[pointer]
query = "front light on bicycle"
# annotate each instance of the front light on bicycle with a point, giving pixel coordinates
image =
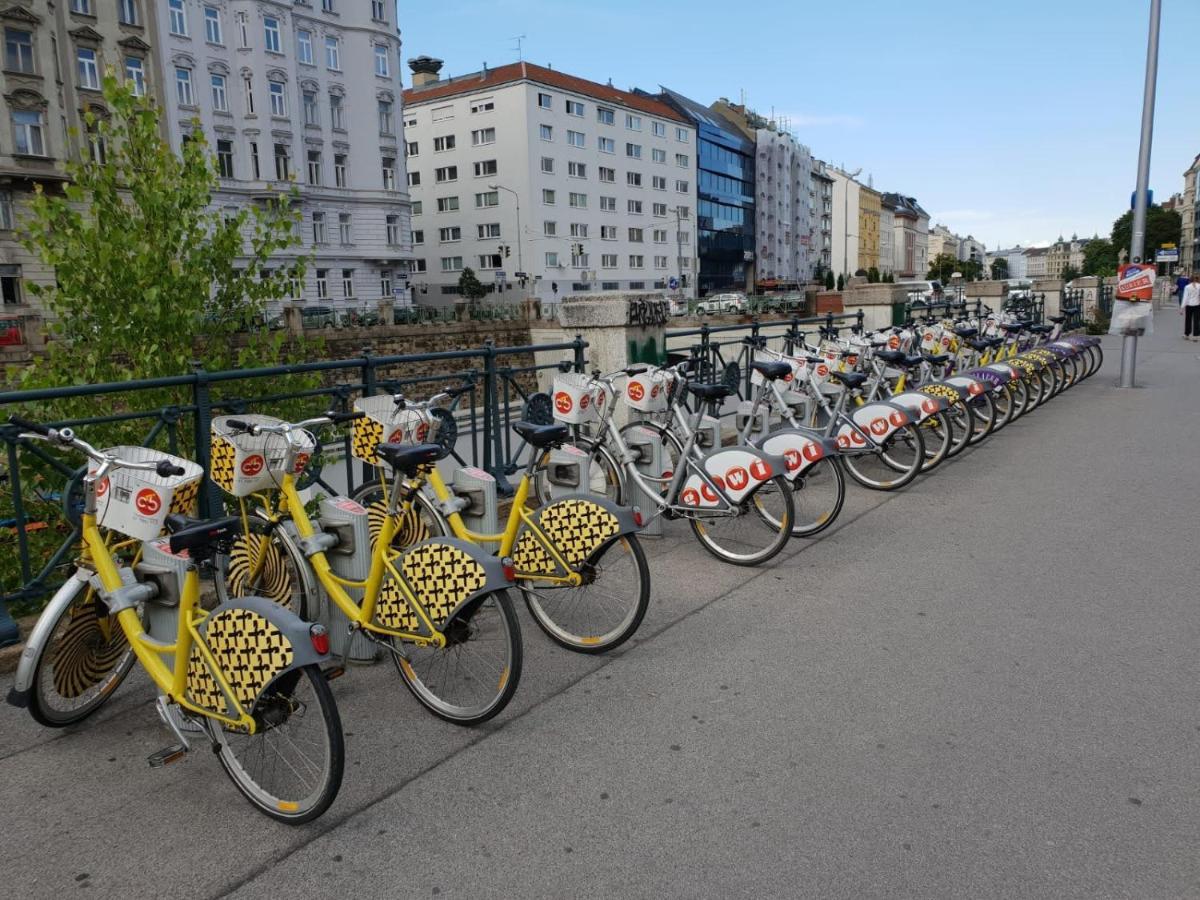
(320, 638)
(510, 570)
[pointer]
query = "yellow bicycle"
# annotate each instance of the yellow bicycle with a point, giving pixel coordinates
(246, 676)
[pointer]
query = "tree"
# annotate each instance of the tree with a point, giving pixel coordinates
(471, 287)
(1099, 257)
(841, 282)
(1069, 273)
(1163, 226)
(829, 280)
(873, 275)
(999, 268)
(149, 274)
(943, 266)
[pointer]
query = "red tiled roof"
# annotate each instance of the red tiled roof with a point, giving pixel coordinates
(469, 84)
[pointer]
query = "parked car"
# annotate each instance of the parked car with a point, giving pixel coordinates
(679, 305)
(923, 290)
(360, 318)
(721, 303)
(318, 317)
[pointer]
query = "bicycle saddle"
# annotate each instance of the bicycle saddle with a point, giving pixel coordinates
(771, 369)
(407, 458)
(1057, 320)
(966, 332)
(849, 379)
(936, 359)
(979, 345)
(198, 535)
(710, 391)
(1041, 329)
(1017, 326)
(541, 436)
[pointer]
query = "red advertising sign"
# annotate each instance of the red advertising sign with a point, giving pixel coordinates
(1136, 282)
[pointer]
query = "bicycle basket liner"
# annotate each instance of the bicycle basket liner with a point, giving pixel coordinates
(135, 503)
(647, 392)
(243, 463)
(575, 401)
(385, 423)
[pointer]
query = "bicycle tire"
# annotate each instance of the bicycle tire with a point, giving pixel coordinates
(983, 421)
(459, 634)
(573, 638)
(781, 525)
(317, 800)
(855, 464)
(937, 431)
(424, 521)
(807, 523)
(285, 577)
(963, 419)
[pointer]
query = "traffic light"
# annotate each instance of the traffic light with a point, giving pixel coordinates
(500, 250)
(507, 251)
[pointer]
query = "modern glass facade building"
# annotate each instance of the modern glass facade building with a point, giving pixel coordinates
(725, 198)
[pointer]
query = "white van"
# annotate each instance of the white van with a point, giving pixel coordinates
(922, 290)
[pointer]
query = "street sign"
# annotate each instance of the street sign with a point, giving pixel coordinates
(520, 275)
(499, 274)
(1166, 256)
(673, 283)
(1136, 282)
(1149, 199)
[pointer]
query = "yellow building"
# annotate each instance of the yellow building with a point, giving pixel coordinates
(870, 208)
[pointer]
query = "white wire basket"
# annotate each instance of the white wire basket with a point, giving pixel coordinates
(385, 423)
(136, 503)
(577, 400)
(647, 391)
(242, 463)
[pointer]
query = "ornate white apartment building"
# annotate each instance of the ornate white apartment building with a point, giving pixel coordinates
(785, 231)
(524, 169)
(303, 92)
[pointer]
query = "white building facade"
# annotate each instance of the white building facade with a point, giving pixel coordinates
(845, 222)
(1015, 258)
(546, 184)
(306, 94)
(887, 240)
(785, 230)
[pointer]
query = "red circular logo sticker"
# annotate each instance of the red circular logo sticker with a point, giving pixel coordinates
(583, 402)
(898, 418)
(301, 461)
(252, 465)
(708, 493)
(788, 377)
(101, 488)
(856, 438)
(822, 370)
(813, 451)
(737, 478)
(879, 427)
(636, 390)
(653, 391)
(690, 497)
(893, 342)
(792, 457)
(396, 437)
(930, 406)
(422, 432)
(761, 470)
(562, 402)
(975, 389)
(852, 361)
(147, 502)
(843, 442)
(599, 399)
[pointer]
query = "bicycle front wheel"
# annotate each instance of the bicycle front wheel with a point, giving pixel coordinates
(897, 461)
(474, 676)
(605, 477)
(818, 496)
(291, 767)
(758, 530)
(605, 610)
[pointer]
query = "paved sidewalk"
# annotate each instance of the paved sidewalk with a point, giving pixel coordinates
(982, 686)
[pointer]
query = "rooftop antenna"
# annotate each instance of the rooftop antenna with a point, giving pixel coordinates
(519, 38)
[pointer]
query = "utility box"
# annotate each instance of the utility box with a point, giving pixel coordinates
(350, 558)
(647, 445)
(476, 490)
(568, 471)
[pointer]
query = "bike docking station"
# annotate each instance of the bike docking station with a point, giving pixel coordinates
(569, 471)
(648, 447)
(348, 522)
(476, 500)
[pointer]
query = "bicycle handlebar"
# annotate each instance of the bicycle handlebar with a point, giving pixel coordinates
(65, 437)
(329, 418)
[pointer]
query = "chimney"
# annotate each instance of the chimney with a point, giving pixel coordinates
(425, 70)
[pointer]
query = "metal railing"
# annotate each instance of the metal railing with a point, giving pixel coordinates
(1032, 307)
(42, 492)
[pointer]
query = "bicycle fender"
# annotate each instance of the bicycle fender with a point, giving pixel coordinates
(444, 574)
(733, 472)
(880, 419)
(960, 390)
(974, 386)
(800, 449)
(1004, 369)
(253, 640)
(920, 406)
(35, 644)
(577, 525)
(994, 378)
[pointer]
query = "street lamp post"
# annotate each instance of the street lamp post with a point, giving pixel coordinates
(1137, 242)
(678, 248)
(846, 222)
(517, 199)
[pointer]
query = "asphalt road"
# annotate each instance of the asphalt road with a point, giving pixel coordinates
(982, 686)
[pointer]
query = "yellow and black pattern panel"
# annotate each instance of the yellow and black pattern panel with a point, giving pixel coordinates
(531, 558)
(183, 501)
(86, 651)
(221, 463)
(250, 651)
(441, 576)
(392, 611)
(941, 390)
(365, 437)
(411, 529)
(257, 552)
(576, 528)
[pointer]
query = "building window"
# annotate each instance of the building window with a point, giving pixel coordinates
(452, 264)
(637, 262)
(328, 6)
(548, 196)
(89, 75)
(481, 106)
(633, 151)
(220, 98)
(659, 129)
(548, 165)
(443, 143)
(442, 113)
(576, 139)
(333, 54)
(658, 156)
(385, 283)
(388, 168)
(579, 229)
(487, 199)
(345, 228)
(278, 98)
(633, 179)
(381, 60)
(254, 166)
(337, 112)
(450, 234)
(607, 145)
(660, 235)
(546, 132)
(28, 136)
(608, 204)
(96, 148)
(83, 7)
(682, 187)
(660, 262)
(243, 28)
(418, 265)
(311, 115)
(608, 233)
(544, 101)
(318, 227)
(660, 210)
(485, 167)
(681, 135)
(177, 17)
(127, 12)
(377, 11)
(18, 51)
(445, 173)
(549, 229)
(304, 47)
(490, 261)
(634, 207)
(283, 163)
(271, 35)
(183, 86)
(490, 230)
(322, 284)
(348, 283)
(418, 237)
(212, 25)
(10, 285)
(681, 160)
(6, 210)
(577, 169)
(608, 260)
(386, 122)
(574, 108)
(447, 204)
(248, 93)
(577, 201)
(414, 179)
(314, 166)
(579, 260)
(605, 116)
(225, 158)
(635, 235)
(551, 259)
(658, 182)
(412, 149)
(633, 123)
(339, 169)
(393, 230)
(483, 136)
(608, 175)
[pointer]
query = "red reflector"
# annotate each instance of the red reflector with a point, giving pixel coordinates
(320, 639)
(638, 520)
(510, 570)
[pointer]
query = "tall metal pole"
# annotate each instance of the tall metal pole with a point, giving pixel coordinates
(1137, 243)
(517, 199)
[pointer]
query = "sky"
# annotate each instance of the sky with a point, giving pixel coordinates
(1013, 121)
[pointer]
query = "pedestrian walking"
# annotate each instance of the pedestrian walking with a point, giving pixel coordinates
(1189, 308)
(1181, 284)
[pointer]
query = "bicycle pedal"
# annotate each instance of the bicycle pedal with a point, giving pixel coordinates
(176, 721)
(166, 756)
(333, 672)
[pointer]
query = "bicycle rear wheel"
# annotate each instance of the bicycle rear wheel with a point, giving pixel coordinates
(983, 417)
(474, 676)
(291, 767)
(604, 611)
(897, 461)
(938, 434)
(760, 528)
(818, 496)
